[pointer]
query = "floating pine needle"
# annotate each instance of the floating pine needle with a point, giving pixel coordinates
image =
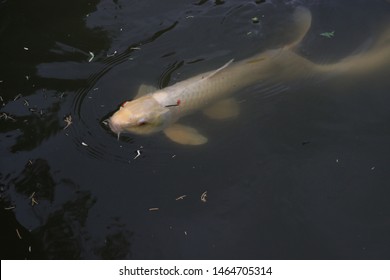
(68, 121)
(203, 197)
(18, 234)
(6, 117)
(92, 56)
(17, 97)
(138, 154)
(154, 209)
(33, 200)
(181, 197)
(113, 54)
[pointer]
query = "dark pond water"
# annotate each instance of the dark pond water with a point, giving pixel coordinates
(302, 173)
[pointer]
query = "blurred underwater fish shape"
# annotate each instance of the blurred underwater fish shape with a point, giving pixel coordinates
(154, 110)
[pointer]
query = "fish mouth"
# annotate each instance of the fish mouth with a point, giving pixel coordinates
(115, 127)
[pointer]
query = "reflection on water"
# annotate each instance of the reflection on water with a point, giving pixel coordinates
(301, 174)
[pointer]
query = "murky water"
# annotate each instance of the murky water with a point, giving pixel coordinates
(301, 173)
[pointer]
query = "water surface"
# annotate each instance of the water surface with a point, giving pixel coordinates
(302, 173)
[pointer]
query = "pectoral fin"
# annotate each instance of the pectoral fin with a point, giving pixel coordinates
(227, 108)
(145, 90)
(184, 135)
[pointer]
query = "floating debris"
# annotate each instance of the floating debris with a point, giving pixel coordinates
(185, 233)
(29, 249)
(203, 197)
(26, 49)
(6, 116)
(9, 208)
(154, 209)
(181, 197)
(372, 168)
(328, 35)
(337, 160)
(92, 56)
(84, 144)
(138, 154)
(33, 200)
(18, 234)
(255, 20)
(25, 102)
(135, 48)
(68, 121)
(17, 97)
(110, 55)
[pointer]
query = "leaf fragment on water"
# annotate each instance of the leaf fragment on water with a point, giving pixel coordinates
(68, 121)
(328, 34)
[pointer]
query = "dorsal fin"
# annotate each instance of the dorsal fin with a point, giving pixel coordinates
(219, 69)
(145, 90)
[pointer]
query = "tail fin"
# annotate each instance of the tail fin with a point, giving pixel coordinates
(302, 23)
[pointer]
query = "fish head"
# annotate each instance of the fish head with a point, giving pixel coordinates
(143, 116)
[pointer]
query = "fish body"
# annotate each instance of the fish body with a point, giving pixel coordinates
(160, 110)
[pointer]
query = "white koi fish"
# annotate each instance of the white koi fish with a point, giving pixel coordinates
(159, 110)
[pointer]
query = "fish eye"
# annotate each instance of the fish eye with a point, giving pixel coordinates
(142, 122)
